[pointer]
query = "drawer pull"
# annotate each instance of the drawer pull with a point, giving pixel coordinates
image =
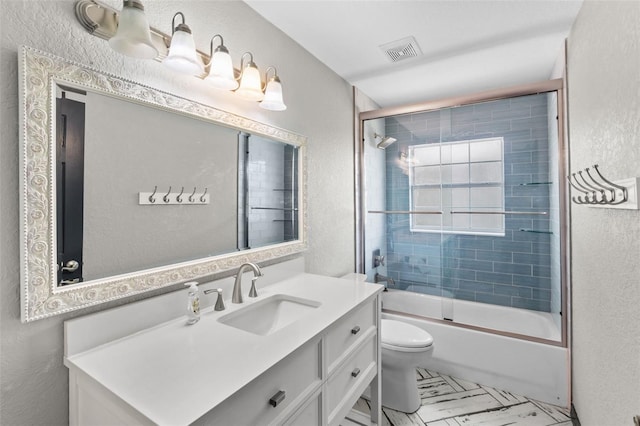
(355, 330)
(277, 398)
(355, 372)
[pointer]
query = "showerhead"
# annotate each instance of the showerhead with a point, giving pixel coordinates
(385, 140)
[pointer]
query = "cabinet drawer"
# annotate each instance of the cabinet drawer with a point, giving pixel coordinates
(309, 414)
(347, 331)
(286, 385)
(355, 372)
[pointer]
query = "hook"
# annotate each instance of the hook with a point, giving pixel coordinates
(585, 189)
(151, 197)
(625, 193)
(179, 197)
(606, 188)
(603, 195)
(191, 199)
(166, 196)
(202, 199)
(578, 200)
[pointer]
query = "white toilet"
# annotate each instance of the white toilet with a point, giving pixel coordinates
(404, 347)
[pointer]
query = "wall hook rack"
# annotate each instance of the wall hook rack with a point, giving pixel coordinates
(597, 191)
(161, 198)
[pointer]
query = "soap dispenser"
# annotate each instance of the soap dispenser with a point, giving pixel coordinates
(193, 304)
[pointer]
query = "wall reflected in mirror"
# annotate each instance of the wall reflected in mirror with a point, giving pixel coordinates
(110, 150)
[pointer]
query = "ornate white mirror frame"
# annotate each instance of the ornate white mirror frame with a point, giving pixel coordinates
(41, 297)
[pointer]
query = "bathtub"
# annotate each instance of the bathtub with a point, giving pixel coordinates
(533, 369)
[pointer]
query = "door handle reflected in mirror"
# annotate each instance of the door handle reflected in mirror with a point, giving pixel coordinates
(70, 266)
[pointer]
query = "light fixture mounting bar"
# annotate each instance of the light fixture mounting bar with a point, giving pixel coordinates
(100, 20)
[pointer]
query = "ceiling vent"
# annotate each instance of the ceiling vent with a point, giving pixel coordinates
(400, 50)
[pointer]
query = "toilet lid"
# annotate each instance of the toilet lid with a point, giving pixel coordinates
(401, 334)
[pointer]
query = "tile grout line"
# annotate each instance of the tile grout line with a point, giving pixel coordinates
(487, 410)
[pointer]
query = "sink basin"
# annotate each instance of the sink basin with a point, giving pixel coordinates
(270, 315)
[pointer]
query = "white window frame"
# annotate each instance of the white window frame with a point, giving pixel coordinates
(458, 176)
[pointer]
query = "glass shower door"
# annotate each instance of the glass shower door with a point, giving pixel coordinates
(466, 206)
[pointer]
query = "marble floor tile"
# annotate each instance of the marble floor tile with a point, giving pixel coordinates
(449, 401)
(397, 418)
(505, 398)
(454, 384)
(444, 422)
(525, 414)
(465, 384)
(451, 405)
(422, 373)
(435, 386)
(559, 414)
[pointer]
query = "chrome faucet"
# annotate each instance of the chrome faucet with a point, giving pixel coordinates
(237, 285)
(388, 280)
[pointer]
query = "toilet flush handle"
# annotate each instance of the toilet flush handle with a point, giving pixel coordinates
(355, 330)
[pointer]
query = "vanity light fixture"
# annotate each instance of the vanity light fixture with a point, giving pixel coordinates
(221, 74)
(182, 52)
(128, 32)
(132, 37)
(250, 82)
(273, 92)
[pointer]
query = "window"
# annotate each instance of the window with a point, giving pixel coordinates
(457, 178)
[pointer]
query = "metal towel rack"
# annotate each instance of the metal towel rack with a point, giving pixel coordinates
(275, 208)
(455, 212)
(404, 212)
(498, 212)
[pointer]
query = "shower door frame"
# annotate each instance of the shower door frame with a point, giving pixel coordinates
(548, 86)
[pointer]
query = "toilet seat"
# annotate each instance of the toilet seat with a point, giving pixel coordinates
(403, 337)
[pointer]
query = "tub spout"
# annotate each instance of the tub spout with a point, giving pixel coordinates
(388, 281)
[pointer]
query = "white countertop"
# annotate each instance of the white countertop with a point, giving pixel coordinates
(174, 373)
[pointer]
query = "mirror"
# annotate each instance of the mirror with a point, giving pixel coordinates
(166, 190)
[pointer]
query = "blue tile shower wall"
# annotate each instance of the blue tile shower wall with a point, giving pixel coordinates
(514, 270)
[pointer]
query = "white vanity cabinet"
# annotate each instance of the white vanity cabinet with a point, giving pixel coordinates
(309, 373)
(275, 395)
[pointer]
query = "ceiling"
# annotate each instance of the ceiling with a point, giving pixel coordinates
(467, 45)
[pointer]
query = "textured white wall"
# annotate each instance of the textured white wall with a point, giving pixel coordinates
(604, 125)
(33, 380)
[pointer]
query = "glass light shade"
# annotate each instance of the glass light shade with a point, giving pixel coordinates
(273, 96)
(250, 84)
(182, 54)
(132, 37)
(221, 74)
